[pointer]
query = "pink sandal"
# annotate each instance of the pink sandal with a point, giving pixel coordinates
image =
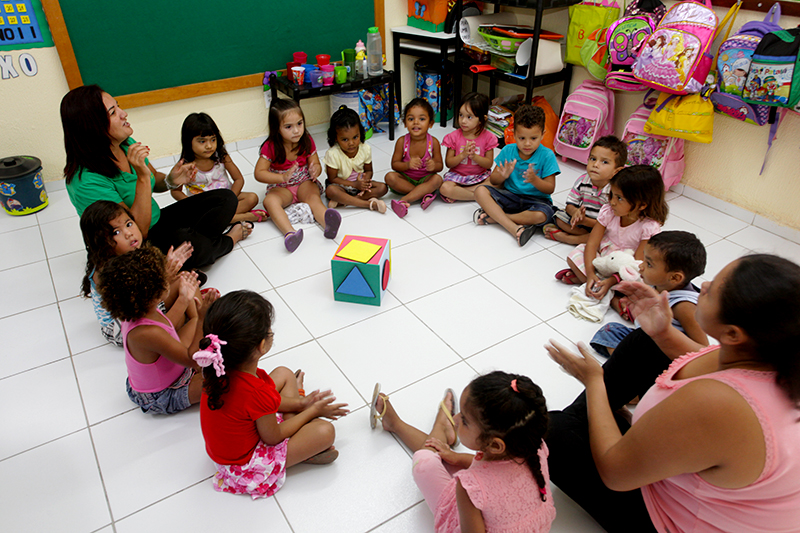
(400, 208)
(428, 199)
(568, 277)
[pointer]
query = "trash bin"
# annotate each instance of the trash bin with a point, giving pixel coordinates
(21, 186)
(429, 85)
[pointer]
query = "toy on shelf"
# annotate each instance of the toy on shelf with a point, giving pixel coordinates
(361, 269)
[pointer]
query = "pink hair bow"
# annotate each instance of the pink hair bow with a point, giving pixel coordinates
(211, 355)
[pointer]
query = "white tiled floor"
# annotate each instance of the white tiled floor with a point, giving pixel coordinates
(75, 455)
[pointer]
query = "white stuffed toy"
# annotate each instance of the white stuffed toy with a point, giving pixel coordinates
(619, 262)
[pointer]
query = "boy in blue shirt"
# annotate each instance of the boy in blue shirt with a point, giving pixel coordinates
(523, 180)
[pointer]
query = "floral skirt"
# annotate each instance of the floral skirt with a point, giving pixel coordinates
(261, 477)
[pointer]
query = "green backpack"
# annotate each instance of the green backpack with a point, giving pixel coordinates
(774, 77)
(594, 54)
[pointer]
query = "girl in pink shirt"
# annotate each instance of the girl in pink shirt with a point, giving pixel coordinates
(504, 488)
(470, 150)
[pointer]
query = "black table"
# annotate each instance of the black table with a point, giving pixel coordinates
(298, 92)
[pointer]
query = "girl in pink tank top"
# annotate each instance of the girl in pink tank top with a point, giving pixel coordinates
(504, 488)
(417, 160)
(158, 347)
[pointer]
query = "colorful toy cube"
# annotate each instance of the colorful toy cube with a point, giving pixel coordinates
(361, 269)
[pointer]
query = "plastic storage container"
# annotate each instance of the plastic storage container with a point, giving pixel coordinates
(429, 85)
(374, 52)
(21, 186)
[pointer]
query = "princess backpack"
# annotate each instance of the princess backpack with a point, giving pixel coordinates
(675, 58)
(665, 154)
(588, 114)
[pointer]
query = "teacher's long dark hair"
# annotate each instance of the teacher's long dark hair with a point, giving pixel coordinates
(85, 121)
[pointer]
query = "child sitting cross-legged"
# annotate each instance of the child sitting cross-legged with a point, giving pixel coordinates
(523, 180)
(672, 259)
(574, 223)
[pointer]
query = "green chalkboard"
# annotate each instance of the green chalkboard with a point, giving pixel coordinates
(133, 47)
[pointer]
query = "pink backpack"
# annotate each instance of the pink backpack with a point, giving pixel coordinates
(588, 114)
(675, 59)
(662, 153)
(623, 38)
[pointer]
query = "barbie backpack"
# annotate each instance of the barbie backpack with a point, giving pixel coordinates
(733, 65)
(624, 37)
(665, 154)
(588, 114)
(675, 58)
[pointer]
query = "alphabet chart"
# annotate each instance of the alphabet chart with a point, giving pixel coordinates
(19, 24)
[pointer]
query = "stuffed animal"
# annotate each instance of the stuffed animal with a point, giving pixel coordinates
(619, 262)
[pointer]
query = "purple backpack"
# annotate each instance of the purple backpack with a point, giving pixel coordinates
(733, 64)
(623, 38)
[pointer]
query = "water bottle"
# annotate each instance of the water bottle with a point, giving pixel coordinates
(374, 52)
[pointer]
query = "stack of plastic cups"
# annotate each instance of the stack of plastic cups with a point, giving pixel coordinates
(323, 59)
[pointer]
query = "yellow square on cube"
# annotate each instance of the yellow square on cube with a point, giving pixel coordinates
(21, 8)
(9, 8)
(12, 20)
(359, 251)
(25, 19)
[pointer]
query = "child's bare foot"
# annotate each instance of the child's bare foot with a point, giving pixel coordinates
(323, 458)
(444, 419)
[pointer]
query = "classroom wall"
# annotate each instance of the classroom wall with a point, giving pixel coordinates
(726, 169)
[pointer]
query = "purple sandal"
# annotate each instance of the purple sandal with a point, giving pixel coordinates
(293, 239)
(428, 199)
(332, 222)
(399, 208)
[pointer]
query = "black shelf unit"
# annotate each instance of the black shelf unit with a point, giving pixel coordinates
(298, 92)
(463, 62)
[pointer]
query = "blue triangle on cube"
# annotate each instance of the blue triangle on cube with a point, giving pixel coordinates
(355, 285)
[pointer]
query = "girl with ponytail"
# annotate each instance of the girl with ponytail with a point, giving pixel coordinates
(255, 424)
(502, 488)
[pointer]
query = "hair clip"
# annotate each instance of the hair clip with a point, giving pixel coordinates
(514, 385)
(211, 355)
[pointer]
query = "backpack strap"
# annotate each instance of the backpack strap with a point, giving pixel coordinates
(776, 116)
(730, 16)
(774, 14)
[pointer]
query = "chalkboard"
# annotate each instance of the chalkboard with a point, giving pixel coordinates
(130, 48)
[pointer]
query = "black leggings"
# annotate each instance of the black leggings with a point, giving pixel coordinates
(199, 219)
(629, 372)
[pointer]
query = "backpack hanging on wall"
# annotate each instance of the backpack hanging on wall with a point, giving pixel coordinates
(654, 8)
(733, 66)
(665, 154)
(588, 114)
(623, 39)
(774, 77)
(675, 59)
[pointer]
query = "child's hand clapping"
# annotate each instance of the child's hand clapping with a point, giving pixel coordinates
(506, 168)
(362, 184)
(470, 149)
(314, 169)
(577, 217)
(176, 257)
(430, 164)
(289, 174)
(530, 175)
(415, 163)
(182, 173)
(323, 406)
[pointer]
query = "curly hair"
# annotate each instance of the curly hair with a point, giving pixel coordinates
(345, 118)
(131, 284)
(242, 319)
(642, 184)
(518, 417)
(529, 116)
(760, 296)
(619, 148)
(98, 237)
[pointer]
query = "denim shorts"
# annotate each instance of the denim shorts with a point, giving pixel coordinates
(609, 336)
(166, 402)
(512, 203)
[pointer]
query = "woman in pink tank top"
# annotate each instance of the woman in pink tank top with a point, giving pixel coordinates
(715, 443)
(158, 347)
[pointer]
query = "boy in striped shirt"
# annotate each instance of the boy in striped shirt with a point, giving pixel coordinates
(574, 223)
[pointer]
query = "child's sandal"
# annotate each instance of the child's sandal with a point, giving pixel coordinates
(428, 199)
(376, 204)
(373, 406)
(260, 214)
(447, 200)
(332, 222)
(400, 208)
(479, 217)
(550, 231)
(293, 239)
(524, 234)
(567, 276)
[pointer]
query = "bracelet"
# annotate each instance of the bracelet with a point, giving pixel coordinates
(617, 277)
(170, 186)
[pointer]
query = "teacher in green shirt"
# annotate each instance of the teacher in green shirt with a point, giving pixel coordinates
(105, 163)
